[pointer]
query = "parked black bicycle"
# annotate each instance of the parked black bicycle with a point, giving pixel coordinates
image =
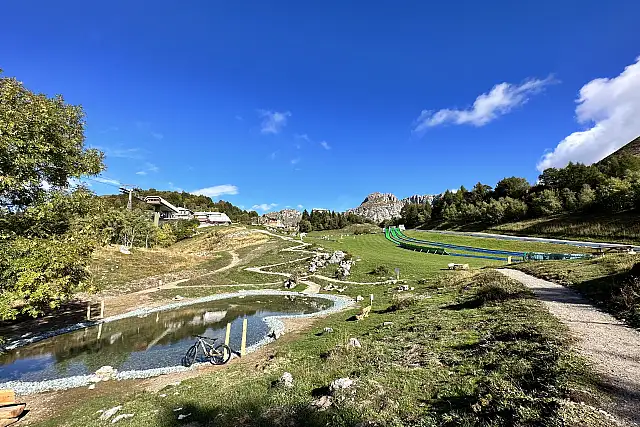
(216, 355)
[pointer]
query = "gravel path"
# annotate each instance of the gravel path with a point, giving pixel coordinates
(612, 347)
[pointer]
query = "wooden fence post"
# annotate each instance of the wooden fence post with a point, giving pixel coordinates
(102, 309)
(89, 310)
(228, 334)
(243, 345)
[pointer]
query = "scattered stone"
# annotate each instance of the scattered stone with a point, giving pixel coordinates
(412, 288)
(163, 395)
(286, 380)
(121, 417)
(340, 384)
(359, 298)
(177, 409)
(92, 386)
(124, 250)
(178, 298)
(110, 412)
(336, 257)
(290, 283)
(353, 342)
(322, 403)
(403, 288)
(328, 330)
(105, 373)
(387, 324)
(183, 416)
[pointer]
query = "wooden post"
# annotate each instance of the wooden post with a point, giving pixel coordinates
(508, 260)
(99, 331)
(371, 300)
(243, 345)
(156, 219)
(89, 310)
(102, 309)
(228, 334)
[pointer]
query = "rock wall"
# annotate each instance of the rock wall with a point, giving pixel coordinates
(380, 207)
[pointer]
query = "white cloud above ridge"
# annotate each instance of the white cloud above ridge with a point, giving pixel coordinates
(264, 206)
(500, 100)
(216, 190)
(611, 108)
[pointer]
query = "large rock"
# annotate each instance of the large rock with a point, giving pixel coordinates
(287, 218)
(379, 207)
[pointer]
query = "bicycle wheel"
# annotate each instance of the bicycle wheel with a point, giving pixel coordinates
(190, 356)
(220, 355)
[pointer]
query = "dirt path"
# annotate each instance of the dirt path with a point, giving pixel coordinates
(235, 260)
(612, 347)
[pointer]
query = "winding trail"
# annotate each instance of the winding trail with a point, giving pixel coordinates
(612, 347)
(312, 288)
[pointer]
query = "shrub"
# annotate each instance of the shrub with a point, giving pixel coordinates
(403, 301)
(381, 270)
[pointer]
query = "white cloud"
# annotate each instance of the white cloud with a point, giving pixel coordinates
(239, 118)
(120, 152)
(273, 121)
(273, 155)
(295, 161)
(157, 135)
(264, 206)
(303, 136)
(107, 181)
(148, 167)
(325, 145)
(300, 206)
(487, 107)
(217, 190)
(611, 107)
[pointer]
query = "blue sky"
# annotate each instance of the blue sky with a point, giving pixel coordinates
(317, 104)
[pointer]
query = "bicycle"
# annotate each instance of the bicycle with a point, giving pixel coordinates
(218, 355)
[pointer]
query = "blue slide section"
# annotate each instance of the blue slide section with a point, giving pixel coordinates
(401, 236)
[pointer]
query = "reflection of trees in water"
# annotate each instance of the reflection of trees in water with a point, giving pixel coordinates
(112, 343)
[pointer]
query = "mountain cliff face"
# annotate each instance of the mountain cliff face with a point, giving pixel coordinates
(632, 148)
(379, 207)
(287, 217)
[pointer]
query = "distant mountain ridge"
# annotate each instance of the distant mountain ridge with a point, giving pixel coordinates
(379, 207)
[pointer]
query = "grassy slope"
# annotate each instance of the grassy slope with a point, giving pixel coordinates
(604, 281)
(623, 227)
(477, 351)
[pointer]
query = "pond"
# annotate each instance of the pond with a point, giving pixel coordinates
(155, 340)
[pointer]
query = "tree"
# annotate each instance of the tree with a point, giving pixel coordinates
(305, 226)
(569, 199)
(545, 203)
(514, 187)
(44, 247)
(586, 197)
(41, 144)
(480, 193)
(514, 209)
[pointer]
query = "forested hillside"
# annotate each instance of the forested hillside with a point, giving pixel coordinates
(610, 186)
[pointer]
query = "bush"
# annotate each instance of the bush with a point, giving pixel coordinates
(381, 270)
(403, 301)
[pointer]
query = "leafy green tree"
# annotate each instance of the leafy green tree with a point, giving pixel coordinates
(44, 246)
(495, 211)
(545, 203)
(569, 199)
(513, 187)
(41, 144)
(586, 197)
(514, 209)
(305, 226)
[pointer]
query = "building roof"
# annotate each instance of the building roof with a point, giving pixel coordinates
(214, 216)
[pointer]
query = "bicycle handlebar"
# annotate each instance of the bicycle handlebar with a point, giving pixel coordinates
(206, 338)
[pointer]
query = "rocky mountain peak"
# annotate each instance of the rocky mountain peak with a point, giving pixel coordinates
(380, 198)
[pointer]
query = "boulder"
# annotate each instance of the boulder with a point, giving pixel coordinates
(328, 330)
(105, 373)
(340, 384)
(286, 380)
(336, 257)
(322, 403)
(359, 298)
(353, 342)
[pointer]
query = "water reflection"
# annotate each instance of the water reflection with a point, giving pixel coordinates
(152, 341)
